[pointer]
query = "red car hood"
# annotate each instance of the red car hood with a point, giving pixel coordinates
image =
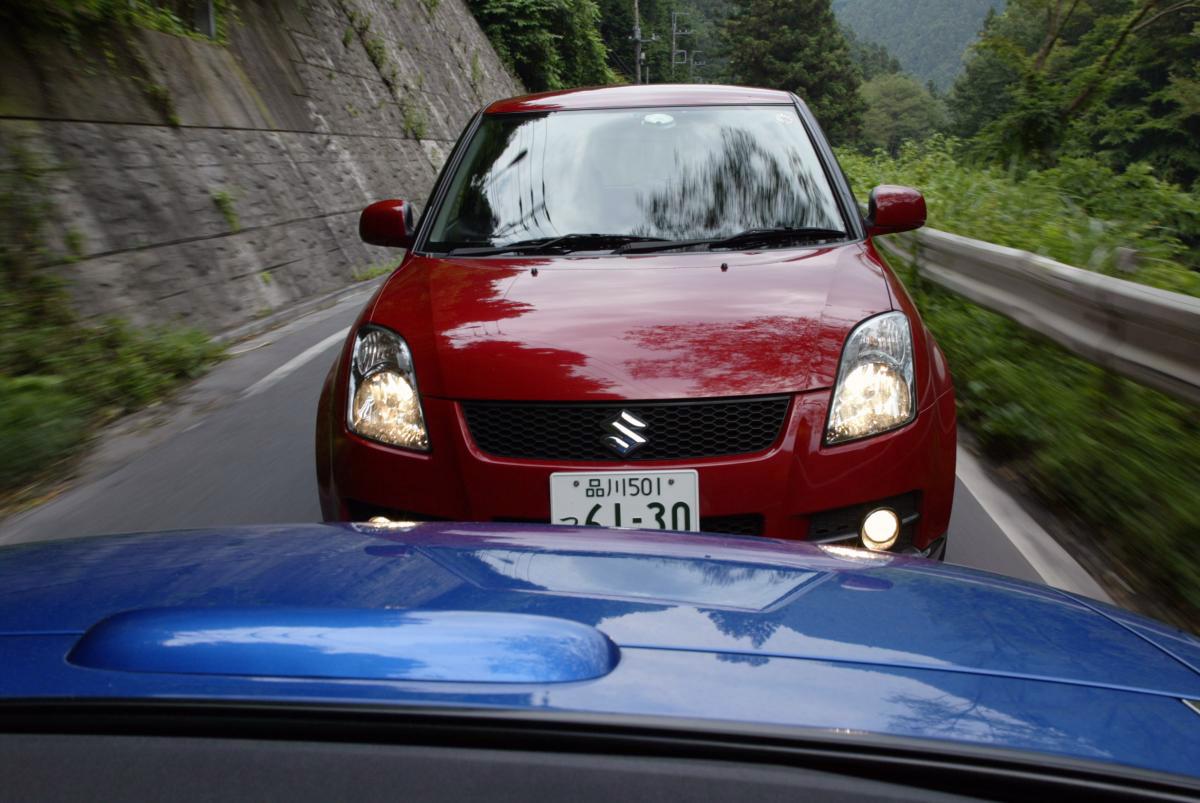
(638, 327)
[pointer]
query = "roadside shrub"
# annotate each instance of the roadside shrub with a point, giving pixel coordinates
(40, 422)
(1119, 459)
(76, 18)
(1079, 213)
(60, 376)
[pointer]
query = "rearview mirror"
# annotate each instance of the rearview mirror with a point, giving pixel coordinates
(387, 223)
(894, 209)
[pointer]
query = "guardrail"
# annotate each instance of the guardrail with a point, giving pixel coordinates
(1149, 335)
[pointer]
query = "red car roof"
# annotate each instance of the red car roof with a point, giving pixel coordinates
(617, 97)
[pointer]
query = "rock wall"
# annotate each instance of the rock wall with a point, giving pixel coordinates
(204, 184)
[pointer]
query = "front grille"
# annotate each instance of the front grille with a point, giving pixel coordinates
(745, 524)
(674, 430)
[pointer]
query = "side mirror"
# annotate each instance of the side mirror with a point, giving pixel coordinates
(894, 209)
(388, 223)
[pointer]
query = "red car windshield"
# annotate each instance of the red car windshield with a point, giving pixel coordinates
(669, 173)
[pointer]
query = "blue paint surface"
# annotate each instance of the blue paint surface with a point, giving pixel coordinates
(598, 621)
(349, 643)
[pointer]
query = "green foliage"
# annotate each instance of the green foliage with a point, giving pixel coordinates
(1113, 79)
(702, 17)
(872, 58)
(476, 72)
(981, 93)
(928, 37)
(813, 60)
(413, 119)
(1079, 212)
(1120, 459)
(376, 52)
(431, 5)
(375, 47)
(160, 98)
(73, 240)
(223, 200)
(372, 271)
(60, 376)
(40, 421)
(549, 44)
(584, 56)
(360, 22)
(899, 110)
(74, 19)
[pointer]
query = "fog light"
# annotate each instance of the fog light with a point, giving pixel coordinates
(880, 529)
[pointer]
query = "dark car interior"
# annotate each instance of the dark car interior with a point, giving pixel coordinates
(84, 751)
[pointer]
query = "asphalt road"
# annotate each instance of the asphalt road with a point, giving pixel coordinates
(237, 448)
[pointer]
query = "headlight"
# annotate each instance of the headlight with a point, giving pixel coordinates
(384, 404)
(874, 390)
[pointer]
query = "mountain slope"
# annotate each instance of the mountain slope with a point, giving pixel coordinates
(927, 36)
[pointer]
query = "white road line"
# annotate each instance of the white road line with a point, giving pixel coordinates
(295, 362)
(1053, 563)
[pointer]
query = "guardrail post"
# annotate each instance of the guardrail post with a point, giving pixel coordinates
(918, 279)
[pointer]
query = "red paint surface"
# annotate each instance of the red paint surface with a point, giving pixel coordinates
(637, 96)
(661, 326)
(387, 223)
(894, 209)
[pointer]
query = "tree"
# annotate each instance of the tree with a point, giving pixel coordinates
(872, 58)
(899, 109)
(550, 44)
(1114, 79)
(584, 56)
(796, 45)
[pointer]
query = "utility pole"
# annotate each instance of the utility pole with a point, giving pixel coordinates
(637, 43)
(675, 34)
(638, 56)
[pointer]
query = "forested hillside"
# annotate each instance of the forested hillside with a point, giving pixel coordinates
(928, 37)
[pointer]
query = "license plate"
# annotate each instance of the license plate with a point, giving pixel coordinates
(648, 500)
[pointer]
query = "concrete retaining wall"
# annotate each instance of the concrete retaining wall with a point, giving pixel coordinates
(206, 184)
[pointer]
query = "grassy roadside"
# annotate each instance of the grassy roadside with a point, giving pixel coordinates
(61, 377)
(1119, 461)
(1080, 212)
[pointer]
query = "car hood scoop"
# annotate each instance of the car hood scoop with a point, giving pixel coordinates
(455, 646)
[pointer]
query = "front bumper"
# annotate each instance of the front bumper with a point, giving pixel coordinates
(790, 491)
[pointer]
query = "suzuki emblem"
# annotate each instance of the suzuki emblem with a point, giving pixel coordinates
(627, 438)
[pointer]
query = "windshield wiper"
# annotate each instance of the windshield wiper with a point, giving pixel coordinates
(563, 244)
(747, 237)
(750, 236)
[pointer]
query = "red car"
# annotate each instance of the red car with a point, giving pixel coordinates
(649, 307)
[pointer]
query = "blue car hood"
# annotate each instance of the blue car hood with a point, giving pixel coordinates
(590, 620)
